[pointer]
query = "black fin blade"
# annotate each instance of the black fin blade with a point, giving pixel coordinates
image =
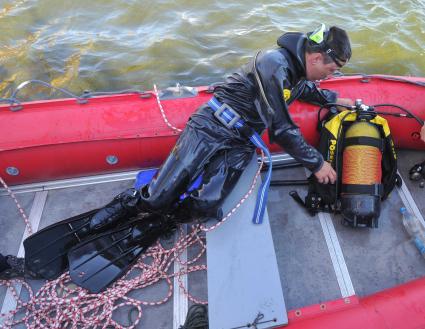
(46, 250)
(97, 263)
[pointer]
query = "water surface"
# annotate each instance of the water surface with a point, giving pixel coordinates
(117, 44)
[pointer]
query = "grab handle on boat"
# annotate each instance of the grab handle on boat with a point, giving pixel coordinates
(16, 105)
(80, 100)
(143, 94)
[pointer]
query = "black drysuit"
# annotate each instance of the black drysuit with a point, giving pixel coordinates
(221, 154)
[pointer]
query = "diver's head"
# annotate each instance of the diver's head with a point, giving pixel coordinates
(327, 51)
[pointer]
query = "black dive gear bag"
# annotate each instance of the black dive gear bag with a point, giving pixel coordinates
(361, 150)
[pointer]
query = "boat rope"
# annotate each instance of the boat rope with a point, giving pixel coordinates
(20, 209)
(61, 304)
(163, 112)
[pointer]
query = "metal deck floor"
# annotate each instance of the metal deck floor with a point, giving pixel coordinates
(318, 258)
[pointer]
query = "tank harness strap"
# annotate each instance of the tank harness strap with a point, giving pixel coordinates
(374, 189)
(364, 141)
(231, 119)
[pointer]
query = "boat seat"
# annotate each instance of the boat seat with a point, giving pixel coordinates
(243, 277)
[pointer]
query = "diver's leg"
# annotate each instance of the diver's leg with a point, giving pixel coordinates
(185, 162)
(200, 140)
(220, 177)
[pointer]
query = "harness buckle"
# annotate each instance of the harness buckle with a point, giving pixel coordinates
(221, 115)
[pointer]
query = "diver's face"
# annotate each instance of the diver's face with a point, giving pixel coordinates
(318, 69)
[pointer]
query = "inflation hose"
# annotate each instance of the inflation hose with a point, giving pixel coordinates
(334, 107)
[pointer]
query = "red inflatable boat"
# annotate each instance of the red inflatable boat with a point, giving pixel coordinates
(77, 137)
(64, 138)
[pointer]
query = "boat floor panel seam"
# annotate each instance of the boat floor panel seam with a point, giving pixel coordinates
(9, 302)
(337, 256)
(335, 251)
(180, 299)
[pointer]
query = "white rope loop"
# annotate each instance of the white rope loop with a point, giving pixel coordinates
(163, 112)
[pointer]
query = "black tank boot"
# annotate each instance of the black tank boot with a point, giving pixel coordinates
(124, 205)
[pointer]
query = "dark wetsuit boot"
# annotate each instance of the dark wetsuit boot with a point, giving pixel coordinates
(3, 264)
(124, 205)
(11, 267)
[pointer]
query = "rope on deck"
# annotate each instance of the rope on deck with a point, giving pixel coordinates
(21, 210)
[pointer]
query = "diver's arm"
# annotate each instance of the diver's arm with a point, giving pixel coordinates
(274, 75)
(312, 94)
(294, 143)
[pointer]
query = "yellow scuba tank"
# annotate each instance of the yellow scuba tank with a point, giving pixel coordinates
(361, 188)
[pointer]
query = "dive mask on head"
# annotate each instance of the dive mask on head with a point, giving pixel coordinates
(319, 37)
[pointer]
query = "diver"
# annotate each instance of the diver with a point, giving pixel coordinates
(259, 93)
(217, 142)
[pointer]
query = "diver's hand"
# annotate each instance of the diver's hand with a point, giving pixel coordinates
(423, 133)
(344, 101)
(326, 174)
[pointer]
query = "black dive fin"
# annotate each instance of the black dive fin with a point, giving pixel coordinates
(46, 250)
(97, 262)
